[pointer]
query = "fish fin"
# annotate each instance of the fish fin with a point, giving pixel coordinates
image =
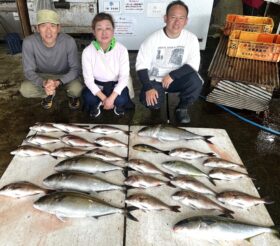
(166, 152)
(130, 216)
(170, 185)
(130, 187)
(211, 154)
(206, 139)
(55, 157)
(132, 208)
(49, 191)
(267, 200)
(228, 213)
(168, 175)
(212, 181)
(175, 209)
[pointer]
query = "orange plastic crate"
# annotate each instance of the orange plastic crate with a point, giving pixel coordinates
(256, 46)
(248, 23)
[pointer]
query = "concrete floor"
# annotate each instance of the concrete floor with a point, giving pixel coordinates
(259, 150)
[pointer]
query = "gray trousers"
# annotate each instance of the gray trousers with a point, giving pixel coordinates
(29, 90)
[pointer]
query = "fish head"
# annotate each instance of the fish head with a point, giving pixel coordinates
(187, 226)
(146, 131)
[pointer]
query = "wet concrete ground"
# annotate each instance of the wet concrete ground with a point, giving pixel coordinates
(259, 150)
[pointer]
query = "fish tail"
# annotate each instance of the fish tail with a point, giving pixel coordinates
(168, 175)
(206, 139)
(175, 209)
(276, 230)
(267, 200)
(127, 132)
(166, 152)
(210, 154)
(228, 213)
(129, 215)
(170, 185)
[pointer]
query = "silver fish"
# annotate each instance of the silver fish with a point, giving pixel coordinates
(184, 168)
(212, 228)
(39, 139)
(103, 129)
(143, 166)
(240, 199)
(146, 202)
(79, 182)
(187, 153)
(44, 127)
(70, 127)
(21, 189)
(144, 181)
(68, 152)
(189, 183)
(170, 133)
(76, 141)
(110, 142)
(76, 205)
(226, 174)
(105, 155)
(149, 148)
(29, 151)
(198, 201)
(86, 164)
(218, 162)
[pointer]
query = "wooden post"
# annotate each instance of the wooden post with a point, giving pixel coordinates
(24, 17)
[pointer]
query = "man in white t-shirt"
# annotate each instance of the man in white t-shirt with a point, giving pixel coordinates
(168, 61)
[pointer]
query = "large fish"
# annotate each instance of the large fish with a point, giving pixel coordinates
(144, 181)
(170, 133)
(213, 228)
(44, 127)
(218, 162)
(39, 139)
(240, 199)
(30, 151)
(76, 141)
(149, 149)
(68, 152)
(86, 164)
(198, 201)
(22, 189)
(184, 168)
(146, 202)
(69, 127)
(76, 205)
(105, 155)
(79, 182)
(226, 174)
(146, 167)
(110, 142)
(189, 183)
(103, 129)
(187, 153)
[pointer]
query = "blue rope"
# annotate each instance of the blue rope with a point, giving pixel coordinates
(267, 129)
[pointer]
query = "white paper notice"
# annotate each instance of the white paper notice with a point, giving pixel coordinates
(133, 6)
(155, 9)
(125, 26)
(111, 6)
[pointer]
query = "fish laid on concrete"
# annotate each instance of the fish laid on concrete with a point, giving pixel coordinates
(187, 153)
(76, 141)
(240, 199)
(30, 151)
(105, 155)
(68, 152)
(146, 202)
(70, 127)
(76, 205)
(184, 168)
(86, 164)
(103, 129)
(226, 174)
(21, 189)
(149, 148)
(110, 142)
(218, 162)
(44, 127)
(144, 181)
(198, 201)
(79, 182)
(39, 139)
(189, 183)
(146, 167)
(214, 228)
(170, 133)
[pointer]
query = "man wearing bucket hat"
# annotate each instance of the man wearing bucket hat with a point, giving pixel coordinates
(50, 60)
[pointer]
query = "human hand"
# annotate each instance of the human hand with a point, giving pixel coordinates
(166, 81)
(109, 102)
(50, 86)
(151, 97)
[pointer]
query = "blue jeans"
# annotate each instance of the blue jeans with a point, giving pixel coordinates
(189, 87)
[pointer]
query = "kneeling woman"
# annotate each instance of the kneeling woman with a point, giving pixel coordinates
(105, 65)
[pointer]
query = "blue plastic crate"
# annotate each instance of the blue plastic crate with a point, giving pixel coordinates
(14, 43)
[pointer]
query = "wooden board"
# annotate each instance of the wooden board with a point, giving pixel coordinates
(155, 228)
(21, 224)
